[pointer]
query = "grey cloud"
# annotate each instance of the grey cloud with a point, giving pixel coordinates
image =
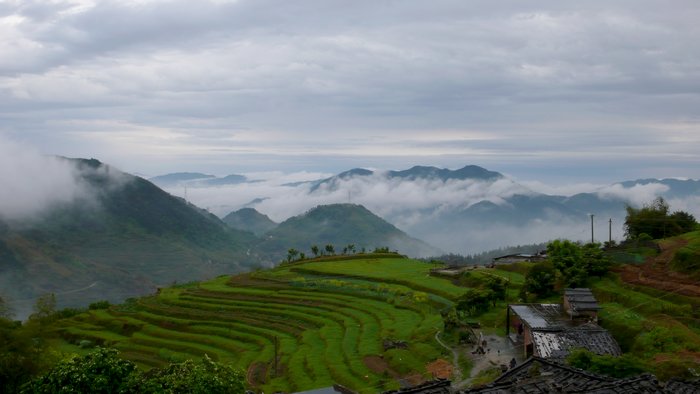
(322, 72)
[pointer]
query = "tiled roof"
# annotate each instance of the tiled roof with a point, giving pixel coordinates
(439, 386)
(550, 344)
(537, 375)
(540, 316)
(642, 384)
(683, 387)
(581, 299)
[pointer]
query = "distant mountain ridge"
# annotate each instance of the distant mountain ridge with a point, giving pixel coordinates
(429, 173)
(130, 238)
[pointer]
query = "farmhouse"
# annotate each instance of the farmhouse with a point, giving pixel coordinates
(552, 330)
(519, 258)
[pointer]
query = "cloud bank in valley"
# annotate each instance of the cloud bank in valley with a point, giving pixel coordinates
(420, 206)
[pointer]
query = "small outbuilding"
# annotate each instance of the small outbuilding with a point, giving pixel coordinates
(552, 330)
(581, 302)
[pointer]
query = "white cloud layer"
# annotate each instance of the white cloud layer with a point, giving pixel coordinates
(423, 208)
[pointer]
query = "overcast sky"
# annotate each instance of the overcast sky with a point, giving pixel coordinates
(558, 91)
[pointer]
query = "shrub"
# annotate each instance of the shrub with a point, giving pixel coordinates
(99, 305)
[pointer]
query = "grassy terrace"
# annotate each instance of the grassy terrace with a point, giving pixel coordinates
(326, 317)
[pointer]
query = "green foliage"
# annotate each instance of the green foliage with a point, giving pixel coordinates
(99, 305)
(44, 307)
(292, 254)
(617, 367)
(577, 262)
(204, 377)
(540, 280)
(475, 302)
(486, 376)
(497, 287)
(655, 221)
(101, 371)
(23, 353)
(687, 258)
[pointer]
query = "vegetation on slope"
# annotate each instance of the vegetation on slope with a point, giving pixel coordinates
(123, 238)
(341, 224)
(299, 326)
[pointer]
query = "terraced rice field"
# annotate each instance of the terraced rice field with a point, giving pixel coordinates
(293, 328)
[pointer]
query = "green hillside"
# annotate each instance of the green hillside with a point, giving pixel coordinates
(369, 321)
(248, 219)
(329, 329)
(125, 237)
(340, 225)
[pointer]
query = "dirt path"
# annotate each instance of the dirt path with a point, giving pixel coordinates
(655, 272)
(457, 372)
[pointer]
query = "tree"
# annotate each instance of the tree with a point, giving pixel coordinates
(683, 222)
(474, 302)
(314, 250)
(44, 308)
(203, 377)
(540, 279)
(497, 288)
(576, 262)
(597, 263)
(617, 367)
(351, 248)
(292, 254)
(563, 254)
(654, 220)
(330, 249)
(101, 371)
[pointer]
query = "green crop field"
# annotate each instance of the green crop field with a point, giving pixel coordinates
(321, 319)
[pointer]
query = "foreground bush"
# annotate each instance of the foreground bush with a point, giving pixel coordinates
(102, 371)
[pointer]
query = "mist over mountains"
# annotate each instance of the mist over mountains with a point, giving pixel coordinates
(466, 210)
(87, 231)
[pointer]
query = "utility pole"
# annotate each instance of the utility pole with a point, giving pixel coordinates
(592, 238)
(276, 342)
(610, 232)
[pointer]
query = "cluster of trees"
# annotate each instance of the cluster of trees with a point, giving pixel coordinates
(102, 371)
(487, 256)
(328, 250)
(28, 364)
(477, 301)
(618, 367)
(655, 220)
(573, 262)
